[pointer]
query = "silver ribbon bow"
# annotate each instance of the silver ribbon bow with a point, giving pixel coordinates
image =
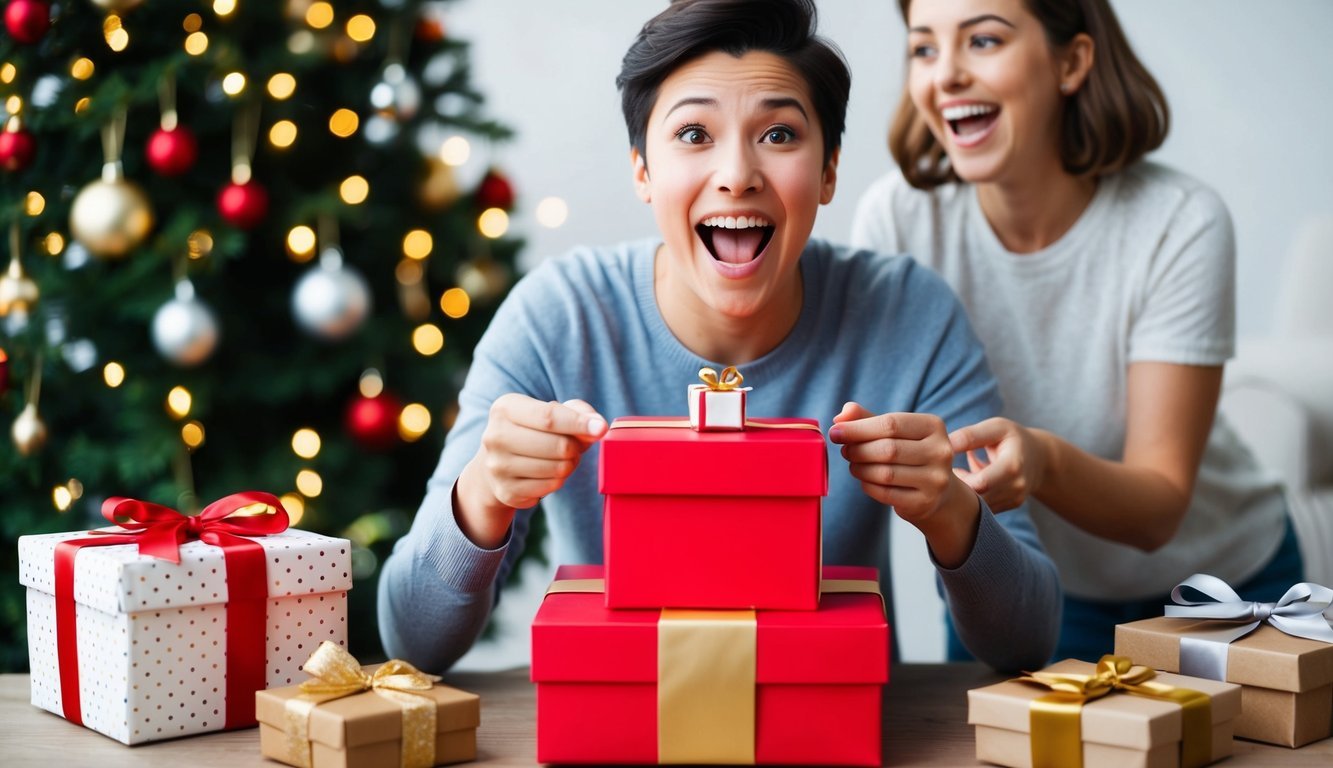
(1301, 612)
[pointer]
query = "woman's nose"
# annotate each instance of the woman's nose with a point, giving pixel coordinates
(739, 173)
(950, 73)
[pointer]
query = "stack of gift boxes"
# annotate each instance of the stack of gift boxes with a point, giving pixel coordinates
(713, 634)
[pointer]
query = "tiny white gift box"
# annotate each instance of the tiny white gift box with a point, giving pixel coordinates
(718, 405)
(152, 634)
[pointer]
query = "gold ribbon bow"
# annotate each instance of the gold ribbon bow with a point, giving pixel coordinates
(337, 674)
(1056, 722)
(729, 379)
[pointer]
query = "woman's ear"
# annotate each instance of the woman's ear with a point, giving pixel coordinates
(1076, 63)
(829, 180)
(643, 187)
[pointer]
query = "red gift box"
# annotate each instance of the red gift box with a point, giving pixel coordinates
(712, 519)
(636, 686)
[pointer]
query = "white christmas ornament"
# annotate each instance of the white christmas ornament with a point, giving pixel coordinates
(185, 331)
(396, 95)
(331, 300)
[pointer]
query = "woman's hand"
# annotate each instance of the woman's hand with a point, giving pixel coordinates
(905, 460)
(1014, 462)
(528, 450)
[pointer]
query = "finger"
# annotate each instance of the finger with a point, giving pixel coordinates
(514, 467)
(594, 430)
(850, 412)
(911, 426)
(554, 418)
(976, 462)
(974, 480)
(516, 440)
(895, 476)
(978, 435)
(521, 494)
(912, 453)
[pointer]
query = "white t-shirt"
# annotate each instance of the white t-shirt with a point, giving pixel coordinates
(1147, 273)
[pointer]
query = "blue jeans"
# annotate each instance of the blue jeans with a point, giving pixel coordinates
(1087, 629)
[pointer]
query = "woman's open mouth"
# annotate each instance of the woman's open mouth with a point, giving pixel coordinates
(735, 239)
(970, 124)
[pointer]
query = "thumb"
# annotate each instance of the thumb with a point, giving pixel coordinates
(974, 437)
(851, 412)
(979, 482)
(594, 426)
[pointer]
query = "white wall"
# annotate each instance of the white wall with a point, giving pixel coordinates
(1248, 83)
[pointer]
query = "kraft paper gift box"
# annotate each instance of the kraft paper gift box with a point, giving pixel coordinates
(1117, 730)
(367, 722)
(732, 517)
(1287, 681)
(140, 648)
(691, 686)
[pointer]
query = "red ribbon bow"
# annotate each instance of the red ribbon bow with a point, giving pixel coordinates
(159, 532)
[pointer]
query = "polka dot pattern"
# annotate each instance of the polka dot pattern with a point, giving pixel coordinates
(157, 670)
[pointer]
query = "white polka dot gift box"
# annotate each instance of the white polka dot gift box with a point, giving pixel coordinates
(167, 625)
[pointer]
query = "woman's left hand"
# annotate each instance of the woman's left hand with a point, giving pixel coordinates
(1013, 466)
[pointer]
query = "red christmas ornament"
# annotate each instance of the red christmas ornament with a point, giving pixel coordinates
(4, 372)
(27, 20)
(172, 152)
(243, 205)
(495, 191)
(17, 146)
(429, 30)
(373, 421)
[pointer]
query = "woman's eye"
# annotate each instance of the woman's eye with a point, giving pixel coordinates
(692, 135)
(985, 41)
(922, 51)
(779, 135)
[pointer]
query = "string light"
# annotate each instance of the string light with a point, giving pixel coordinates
(196, 43)
(552, 212)
(427, 339)
(54, 243)
(82, 68)
(117, 38)
(179, 402)
(233, 84)
(113, 374)
(305, 443)
(301, 243)
(34, 203)
(295, 507)
(193, 23)
(408, 272)
(82, 105)
(319, 15)
(62, 498)
(361, 28)
(413, 422)
(343, 123)
(282, 134)
(417, 244)
(354, 190)
(192, 433)
(455, 151)
(493, 222)
(8, 72)
(199, 244)
(309, 483)
(371, 383)
(455, 303)
(281, 86)
(13, 105)
(224, 8)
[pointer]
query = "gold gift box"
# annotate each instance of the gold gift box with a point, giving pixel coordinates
(1287, 693)
(365, 729)
(1119, 730)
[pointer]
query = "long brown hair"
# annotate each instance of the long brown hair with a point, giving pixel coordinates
(1118, 116)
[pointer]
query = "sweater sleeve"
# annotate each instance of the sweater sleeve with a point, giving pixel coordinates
(437, 588)
(1005, 598)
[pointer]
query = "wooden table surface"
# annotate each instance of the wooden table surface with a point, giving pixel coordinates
(925, 724)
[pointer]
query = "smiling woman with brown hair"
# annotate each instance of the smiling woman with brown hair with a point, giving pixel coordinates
(1102, 286)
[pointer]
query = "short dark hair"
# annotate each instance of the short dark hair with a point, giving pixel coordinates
(689, 29)
(1118, 116)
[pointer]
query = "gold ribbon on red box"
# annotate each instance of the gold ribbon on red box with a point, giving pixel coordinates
(706, 661)
(159, 532)
(1056, 719)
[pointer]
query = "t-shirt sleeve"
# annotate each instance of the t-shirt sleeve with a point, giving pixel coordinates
(1186, 311)
(437, 588)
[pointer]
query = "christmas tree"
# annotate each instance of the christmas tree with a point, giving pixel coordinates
(250, 245)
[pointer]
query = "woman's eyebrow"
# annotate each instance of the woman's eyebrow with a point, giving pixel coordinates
(781, 102)
(690, 101)
(968, 23)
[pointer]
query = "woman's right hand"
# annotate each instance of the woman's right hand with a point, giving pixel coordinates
(1014, 465)
(528, 450)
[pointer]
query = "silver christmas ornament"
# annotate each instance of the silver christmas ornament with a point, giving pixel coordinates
(396, 95)
(331, 300)
(185, 331)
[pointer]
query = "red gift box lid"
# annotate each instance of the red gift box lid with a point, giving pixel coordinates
(764, 459)
(576, 638)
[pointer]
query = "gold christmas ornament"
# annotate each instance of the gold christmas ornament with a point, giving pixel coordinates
(112, 216)
(18, 292)
(440, 188)
(28, 431)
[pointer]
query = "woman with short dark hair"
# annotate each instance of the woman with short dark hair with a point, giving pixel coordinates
(1102, 286)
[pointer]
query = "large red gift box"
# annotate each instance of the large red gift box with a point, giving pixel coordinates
(733, 517)
(692, 686)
